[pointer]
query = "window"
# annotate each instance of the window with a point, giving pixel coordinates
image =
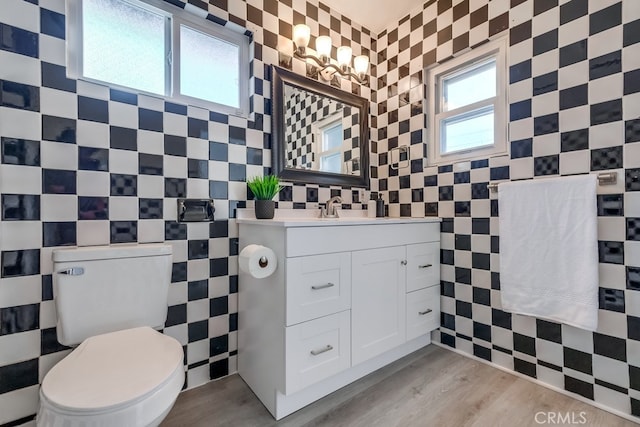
(329, 151)
(467, 105)
(153, 47)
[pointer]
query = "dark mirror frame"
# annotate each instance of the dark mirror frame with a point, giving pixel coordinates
(279, 77)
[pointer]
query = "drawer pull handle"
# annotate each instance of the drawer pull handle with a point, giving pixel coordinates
(318, 287)
(403, 262)
(328, 347)
(73, 271)
(427, 311)
(425, 266)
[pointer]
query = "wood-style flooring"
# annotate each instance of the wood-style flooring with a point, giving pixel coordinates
(431, 387)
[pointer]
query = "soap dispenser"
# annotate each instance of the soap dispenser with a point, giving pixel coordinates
(371, 207)
(380, 207)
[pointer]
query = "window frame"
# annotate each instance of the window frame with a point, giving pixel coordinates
(436, 116)
(174, 18)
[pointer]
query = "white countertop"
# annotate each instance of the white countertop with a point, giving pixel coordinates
(311, 218)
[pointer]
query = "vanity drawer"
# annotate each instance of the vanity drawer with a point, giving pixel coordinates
(316, 350)
(423, 311)
(423, 265)
(317, 285)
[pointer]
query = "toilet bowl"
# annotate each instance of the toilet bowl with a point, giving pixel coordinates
(127, 378)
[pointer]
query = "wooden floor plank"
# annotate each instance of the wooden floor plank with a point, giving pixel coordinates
(431, 387)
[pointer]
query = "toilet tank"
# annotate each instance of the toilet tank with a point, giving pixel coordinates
(100, 289)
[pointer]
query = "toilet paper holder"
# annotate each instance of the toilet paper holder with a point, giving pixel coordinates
(195, 210)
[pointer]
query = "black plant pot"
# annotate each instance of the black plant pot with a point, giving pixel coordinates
(265, 209)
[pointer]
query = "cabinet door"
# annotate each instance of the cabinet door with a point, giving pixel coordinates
(423, 311)
(423, 265)
(377, 302)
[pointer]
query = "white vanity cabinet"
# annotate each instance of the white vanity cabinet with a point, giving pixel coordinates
(347, 298)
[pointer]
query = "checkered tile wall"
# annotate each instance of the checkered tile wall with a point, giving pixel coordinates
(84, 164)
(574, 97)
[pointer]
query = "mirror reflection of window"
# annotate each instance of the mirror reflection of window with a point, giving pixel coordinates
(330, 154)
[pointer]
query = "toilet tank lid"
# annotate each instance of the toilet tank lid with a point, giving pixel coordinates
(87, 253)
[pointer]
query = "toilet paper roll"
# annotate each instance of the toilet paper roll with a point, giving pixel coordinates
(258, 261)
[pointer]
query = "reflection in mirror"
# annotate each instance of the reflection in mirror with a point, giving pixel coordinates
(320, 133)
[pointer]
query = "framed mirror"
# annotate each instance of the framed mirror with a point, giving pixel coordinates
(320, 133)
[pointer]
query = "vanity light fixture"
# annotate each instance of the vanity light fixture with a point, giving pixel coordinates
(301, 37)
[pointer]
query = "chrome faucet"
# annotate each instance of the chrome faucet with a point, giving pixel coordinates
(330, 210)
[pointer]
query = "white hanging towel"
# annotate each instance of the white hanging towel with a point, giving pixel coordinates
(549, 249)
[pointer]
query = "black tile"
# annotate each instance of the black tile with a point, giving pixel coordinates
(632, 179)
(20, 263)
(462, 208)
(124, 97)
(95, 110)
(610, 205)
(218, 267)
(631, 82)
(447, 257)
(545, 83)
(611, 299)
(549, 331)
(56, 181)
(495, 244)
(237, 172)
(480, 226)
(170, 107)
(463, 275)
(606, 18)
(448, 321)
(218, 306)
(633, 278)
(495, 280)
(633, 328)
(150, 120)
(254, 156)
(219, 117)
(605, 65)
(575, 52)
(448, 340)
(20, 152)
(92, 208)
(611, 252)
(577, 360)
(520, 33)
(520, 110)
(18, 375)
(198, 330)
(459, 177)
(524, 344)
(522, 148)
(19, 318)
(150, 164)
(150, 208)
(606, 158)
(233, 284)
(481, 296)
(218, 345)
(237, 135)
(93, 159)
(608, 346)
(219, 369)
(634, 377)
(58, 234)
(574, 96)
(545, 42)
(501, 318)
(124, 231)
(17, 40)
(524, 367)
(175, 187)
(446, 226)
(633, 228)
(179, 271)
(20, 207)
(123, 185)
(546, 165)
(574, 140)
(462, 242)
(176, 315)
(197, 128)
(55, 76)
(47, 287)
(545, 124)
(52, 23)
(481, 261)
(463, 309)
(577, 386)
(218, 189)
(631, 33)
(49, 342)
(447, 289)
(123, 138)
(58, 129)
(479, 190)
(19, 95)
(573, 10)
(632, 131)
(198, 249)
(198, 168)
(498, 173)
(445, 192)
(541, 6)
(175, 145)
(233, 322)
(218, 151)
(482, 331)
(605, 112)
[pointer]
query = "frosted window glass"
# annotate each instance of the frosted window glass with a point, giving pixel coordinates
(470, 131)
(330, 163)
(332, 138)
(472, 86)
(209, 68)
(123, 44)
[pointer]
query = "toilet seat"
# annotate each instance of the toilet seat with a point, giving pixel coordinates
(125, 378)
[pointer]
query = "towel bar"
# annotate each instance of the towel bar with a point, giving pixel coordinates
(604, 178)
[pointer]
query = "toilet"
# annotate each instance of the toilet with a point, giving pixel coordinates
(123, 373)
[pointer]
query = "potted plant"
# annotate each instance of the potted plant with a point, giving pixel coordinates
(264, 189)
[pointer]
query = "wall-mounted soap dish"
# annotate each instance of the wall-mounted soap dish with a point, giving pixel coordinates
(195, 210)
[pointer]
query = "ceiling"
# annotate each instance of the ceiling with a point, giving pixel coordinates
(376, 15)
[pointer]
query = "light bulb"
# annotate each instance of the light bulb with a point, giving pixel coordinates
(361, 64)
(344, 56)
(323, 47)
(301, 35)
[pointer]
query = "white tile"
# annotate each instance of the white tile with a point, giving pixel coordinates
(55, 5)
(550, 352)
(92, 134)
(150, 230)
(19, 404)
(48, 316)
(123, 161)
(20, 235)
(601, 43)
(197, 351)
(573, 31)
(631, 106)
(631, 202)
(16, 179)
(609, 323)
(151, 102)
(56, 155)
(20, 124)
(611, 371)
(91, 183)
(175, 167)
(574, 118)
(601, 4)
(545, 145)
(58, 103)
(175, 124)
(197, 112)
(578, 339)
(198, 148)
(632, 253)
(197, 310)
(123, 208)
(632, 155)
(21, 14)
(605, 89)
(198, 376)
(198, 269)
(521, 129)
(92, 233)
(20, 68)
(545, 63)
(606, 135)
(612, 276)
(545, 22)
(59, 207)
(123, 115)
(150, 142)
(612, 399)
(20, 290)
(53, 50)
(612, 229)
(178, 332)
(573, 75)
(93, 90)
(48, 361)
(550, 376)
(574, 162)
(237, 154)
(150, 186)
